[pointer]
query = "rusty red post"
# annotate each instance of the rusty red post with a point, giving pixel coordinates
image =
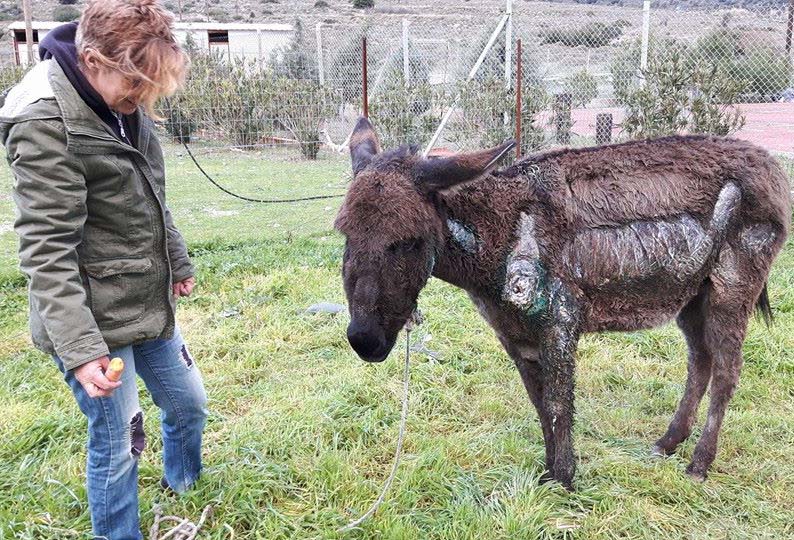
(518, 99)
(364, 76)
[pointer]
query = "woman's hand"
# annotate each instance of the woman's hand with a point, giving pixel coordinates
(92, 377)
(184, 287)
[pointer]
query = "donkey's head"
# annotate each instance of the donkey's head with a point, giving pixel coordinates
(393, 232)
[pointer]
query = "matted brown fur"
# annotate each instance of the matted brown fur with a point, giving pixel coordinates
(561, 243)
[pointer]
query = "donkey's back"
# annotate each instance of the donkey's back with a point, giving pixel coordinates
(643, 180)
(650, 224)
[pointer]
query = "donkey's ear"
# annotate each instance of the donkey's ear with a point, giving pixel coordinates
(364, 145)
(444, 173)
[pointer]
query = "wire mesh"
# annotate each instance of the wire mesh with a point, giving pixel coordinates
(268, 116)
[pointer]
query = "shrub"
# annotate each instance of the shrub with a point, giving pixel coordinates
(232, 97)
(300, 107)
(393, 68)
(493, 64)
(218, 15)
(65, 13)
(245, 107)
(178, 121)
(9, 10)
(594, 34)
(679, 91)
(405, 114)
(583, 88)
(67, 2)
(486, 99)
(484, 103)
(245, 102)
(11, 75)
(763, 72)
(362, 4)
(297, 60)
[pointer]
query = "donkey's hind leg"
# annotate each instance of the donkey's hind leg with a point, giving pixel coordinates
(691, 321)
(737, 280)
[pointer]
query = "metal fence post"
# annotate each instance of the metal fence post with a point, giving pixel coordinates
(28, 31)
(509, 43)
(518, 98)
(364, 76)
(646, 30)
(406, 56)
(259, 47)
(320, 66)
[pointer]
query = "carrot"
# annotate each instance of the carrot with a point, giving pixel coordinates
(114, 370)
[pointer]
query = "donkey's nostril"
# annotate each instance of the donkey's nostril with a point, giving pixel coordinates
(365, 340)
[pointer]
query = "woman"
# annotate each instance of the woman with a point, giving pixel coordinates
(97, 242)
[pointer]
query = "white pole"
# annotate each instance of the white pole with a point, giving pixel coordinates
(646, 27)
(472, 73)
(509, 44)
(259, 47)
(320, 70)
(508, 53)
(406, 59)
(28, 31)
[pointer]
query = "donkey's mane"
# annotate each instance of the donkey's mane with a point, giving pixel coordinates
(520, 166)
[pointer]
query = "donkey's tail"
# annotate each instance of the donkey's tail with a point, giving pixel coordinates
(763, 308)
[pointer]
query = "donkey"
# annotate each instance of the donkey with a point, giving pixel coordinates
(620, 237)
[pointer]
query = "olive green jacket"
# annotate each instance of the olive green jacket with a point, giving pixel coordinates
(96, 239)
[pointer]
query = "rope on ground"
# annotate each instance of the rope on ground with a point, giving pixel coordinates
(249, 199)
(184, 528)
(415, 319)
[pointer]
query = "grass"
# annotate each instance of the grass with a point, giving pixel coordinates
(301, 433)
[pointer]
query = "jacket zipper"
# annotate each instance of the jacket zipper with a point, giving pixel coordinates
(121, 124)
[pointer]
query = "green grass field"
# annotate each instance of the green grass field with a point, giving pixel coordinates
(302, 433)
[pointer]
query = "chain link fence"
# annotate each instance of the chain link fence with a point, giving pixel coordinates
(271, 121)
(647, 72)
(655, 70)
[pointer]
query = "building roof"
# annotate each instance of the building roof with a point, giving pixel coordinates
(180, 26)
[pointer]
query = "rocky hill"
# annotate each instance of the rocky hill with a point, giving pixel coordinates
(340, 11)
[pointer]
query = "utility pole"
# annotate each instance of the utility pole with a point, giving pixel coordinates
(28, 30)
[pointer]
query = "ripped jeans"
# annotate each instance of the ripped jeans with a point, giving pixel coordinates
(116, 437)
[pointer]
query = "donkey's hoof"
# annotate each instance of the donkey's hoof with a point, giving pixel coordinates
(659, 451)
(697, 476)
(546, 477)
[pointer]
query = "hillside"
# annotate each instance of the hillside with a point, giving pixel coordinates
(340, 11)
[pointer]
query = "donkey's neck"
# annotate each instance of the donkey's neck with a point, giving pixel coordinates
(479, 222)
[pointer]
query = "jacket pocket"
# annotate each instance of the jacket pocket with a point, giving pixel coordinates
(118, 289)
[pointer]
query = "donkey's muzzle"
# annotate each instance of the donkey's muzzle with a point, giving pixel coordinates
(368, 340)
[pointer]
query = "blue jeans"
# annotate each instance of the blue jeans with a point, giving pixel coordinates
(116, 438)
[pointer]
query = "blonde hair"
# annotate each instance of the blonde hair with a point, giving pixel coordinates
(135, 38)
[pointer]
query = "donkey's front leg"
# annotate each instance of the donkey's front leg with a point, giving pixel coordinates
(557, 359)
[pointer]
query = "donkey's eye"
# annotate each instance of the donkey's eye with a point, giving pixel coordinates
(411, 245)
